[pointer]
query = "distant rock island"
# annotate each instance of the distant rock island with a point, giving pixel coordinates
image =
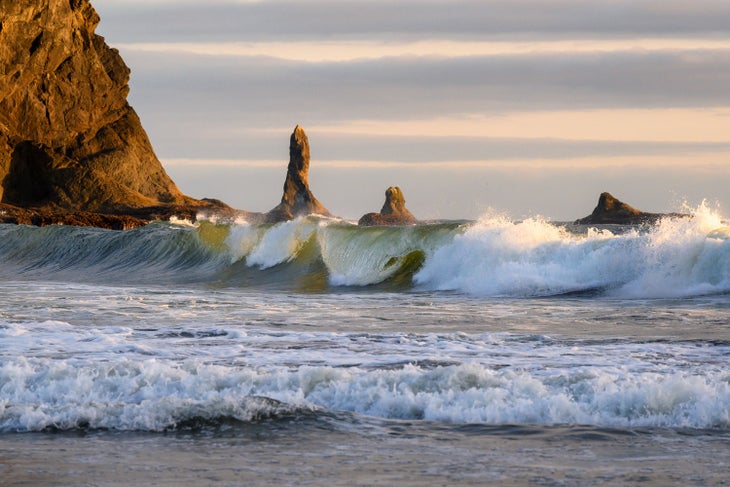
(394, 211)
(71, 147)
(610, 210)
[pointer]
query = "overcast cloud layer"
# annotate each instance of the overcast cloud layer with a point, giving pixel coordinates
(205, 93)
(172, 21)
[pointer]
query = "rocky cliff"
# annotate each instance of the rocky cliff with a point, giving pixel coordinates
(394, 211)
(297, 199)
(68, 138)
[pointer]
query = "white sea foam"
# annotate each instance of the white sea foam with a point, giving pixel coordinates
(12, 330)
(126, 395)
(137, 377)
(242, 239)
(474, 394)
(152, 395)
(182, 222)
(681, 257)
(497, 257)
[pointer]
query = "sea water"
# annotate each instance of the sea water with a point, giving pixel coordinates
(316, 352)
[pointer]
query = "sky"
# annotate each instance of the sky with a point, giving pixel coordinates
(523, 108)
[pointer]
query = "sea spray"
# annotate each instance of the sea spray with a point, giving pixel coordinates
(682, 257)
(497, 257)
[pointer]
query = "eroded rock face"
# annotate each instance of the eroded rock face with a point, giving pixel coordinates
(394, 211)
(613, 211)
(297, 199)
(68, 137)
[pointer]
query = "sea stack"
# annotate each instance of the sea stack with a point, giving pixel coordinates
(69, 141)
(297, 199)
(613, 211)
(394, 211)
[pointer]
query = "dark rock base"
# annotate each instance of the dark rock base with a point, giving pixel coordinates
(116, 219)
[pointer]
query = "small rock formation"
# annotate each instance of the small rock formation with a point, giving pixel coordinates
(612, 211)
(394, 211)
(69, 141)
(297, 199)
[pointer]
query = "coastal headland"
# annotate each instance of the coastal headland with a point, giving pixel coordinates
(72, 149)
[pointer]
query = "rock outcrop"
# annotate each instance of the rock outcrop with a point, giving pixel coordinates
(121, 219)
(297, 199)
(394, 211)
(69, 141)
(612, 211)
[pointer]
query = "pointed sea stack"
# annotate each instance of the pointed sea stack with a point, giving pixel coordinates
(297, 199)
(394, 211)
(69, 141)
(613, 211)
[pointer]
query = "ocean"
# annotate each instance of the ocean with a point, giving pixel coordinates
(317, 352)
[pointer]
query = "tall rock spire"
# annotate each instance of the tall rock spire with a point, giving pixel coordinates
(297, 199)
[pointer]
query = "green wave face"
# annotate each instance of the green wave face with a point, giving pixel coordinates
(313, 254)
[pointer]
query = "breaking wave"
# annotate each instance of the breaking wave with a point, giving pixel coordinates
(126, 395)
(678, 257)
(491, 257)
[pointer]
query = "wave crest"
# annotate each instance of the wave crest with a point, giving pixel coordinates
(152, 396)
(494, 256)
(497, 257)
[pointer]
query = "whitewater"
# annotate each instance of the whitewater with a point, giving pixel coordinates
(318, 352)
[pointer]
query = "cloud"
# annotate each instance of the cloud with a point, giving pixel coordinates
(215, 104)
(338, 51)
(703, 161)
(443, 149)
(421, 86)
(473, 19)
(665, 125)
